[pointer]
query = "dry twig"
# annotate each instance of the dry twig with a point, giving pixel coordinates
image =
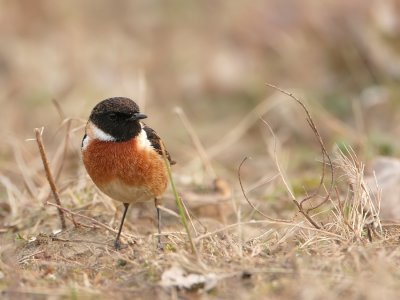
(248, 200)
(49, 176)
(196, 142)
(65, 149)
(325, 160)
(72, 214)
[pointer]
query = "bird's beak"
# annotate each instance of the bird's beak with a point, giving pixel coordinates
(138, 116)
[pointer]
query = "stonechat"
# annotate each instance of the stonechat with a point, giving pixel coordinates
(124, 156)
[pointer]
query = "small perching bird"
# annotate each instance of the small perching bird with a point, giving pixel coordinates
(123, 156)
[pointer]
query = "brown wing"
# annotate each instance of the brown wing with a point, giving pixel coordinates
(155, 141)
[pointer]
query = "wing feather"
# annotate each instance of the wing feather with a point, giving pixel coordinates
(156, 142)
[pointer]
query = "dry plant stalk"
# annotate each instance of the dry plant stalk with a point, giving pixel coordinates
(59, 109)
(179, 203)
(250, 203)
(64, 146)
(196, 142)
(326, 160)
(94, 221)
(49, 175)
(242, 127)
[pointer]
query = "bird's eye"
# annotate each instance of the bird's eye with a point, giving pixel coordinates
(112, 116)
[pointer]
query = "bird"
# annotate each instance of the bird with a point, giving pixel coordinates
(124, 157)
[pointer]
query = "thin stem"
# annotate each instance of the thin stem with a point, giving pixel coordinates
(49, 175)
(179, 203)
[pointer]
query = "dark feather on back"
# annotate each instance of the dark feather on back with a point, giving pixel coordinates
(155, 141)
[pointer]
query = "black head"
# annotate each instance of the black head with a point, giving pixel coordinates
(118, 117)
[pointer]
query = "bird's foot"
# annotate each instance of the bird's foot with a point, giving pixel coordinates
(160, 246)
(117, 245)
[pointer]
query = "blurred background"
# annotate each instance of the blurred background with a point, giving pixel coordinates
(211, 58)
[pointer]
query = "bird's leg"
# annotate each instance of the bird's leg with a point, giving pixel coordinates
(117, 243)
(157, 203)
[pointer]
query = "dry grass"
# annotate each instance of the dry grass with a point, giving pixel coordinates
(345, 246)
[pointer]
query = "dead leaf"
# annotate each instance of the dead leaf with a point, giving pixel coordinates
(177, 277)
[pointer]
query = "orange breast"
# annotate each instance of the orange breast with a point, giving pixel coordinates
(124, 172)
